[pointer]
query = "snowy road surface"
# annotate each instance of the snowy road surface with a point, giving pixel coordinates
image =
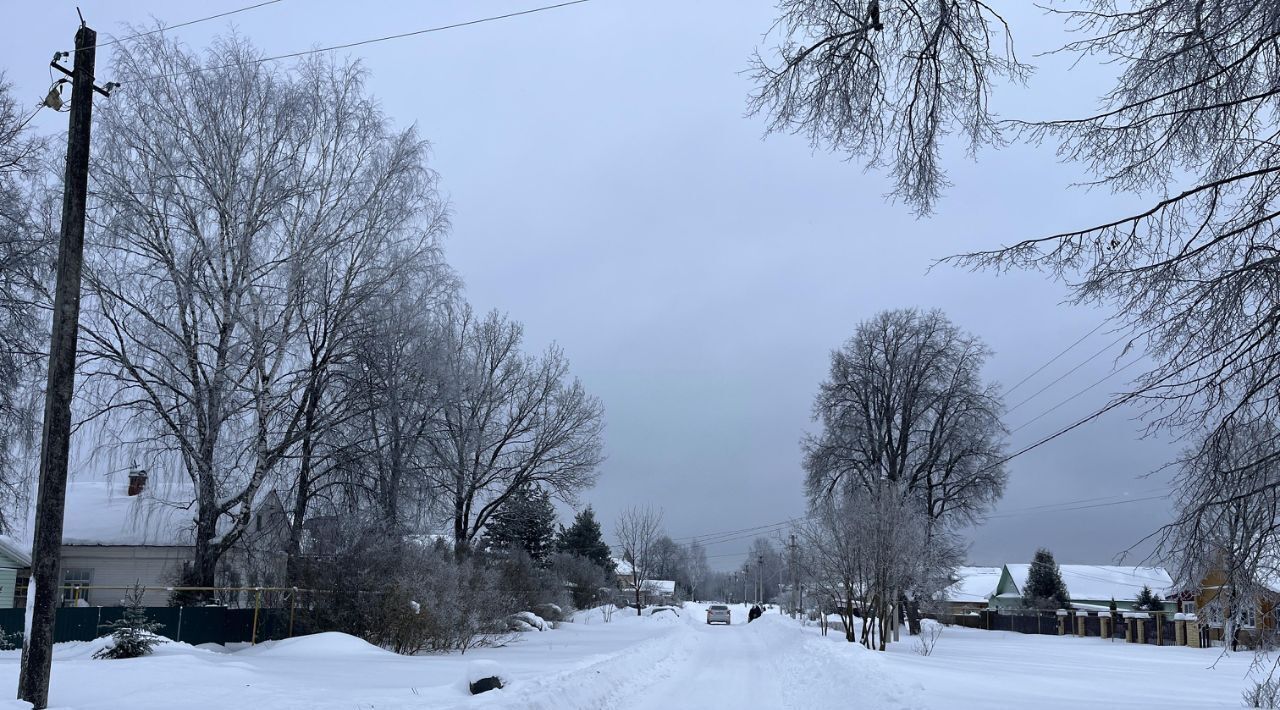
(765, 664)
(664, 662)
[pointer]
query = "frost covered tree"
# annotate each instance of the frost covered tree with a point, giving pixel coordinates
(506, 420)
(526, 521)
(638, 530)
(1045, 588)
(242, 214)
(585, 539)
(907, 422)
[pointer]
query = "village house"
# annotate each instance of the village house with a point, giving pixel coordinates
(1091, 587)
(120, 533)
(971, 592)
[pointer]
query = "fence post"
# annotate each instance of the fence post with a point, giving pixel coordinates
(179, 624)
(257, 604)
(293, 599)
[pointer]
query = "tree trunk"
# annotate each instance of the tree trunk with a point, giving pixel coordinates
(912, 608)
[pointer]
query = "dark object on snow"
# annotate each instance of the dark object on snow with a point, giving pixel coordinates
(484, 685)
(755, 613)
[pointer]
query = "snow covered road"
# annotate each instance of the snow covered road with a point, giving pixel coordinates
(770, 664)
(661, 662)
(727, 667)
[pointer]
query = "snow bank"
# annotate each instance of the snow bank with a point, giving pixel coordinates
(323, 645)
(479, 670)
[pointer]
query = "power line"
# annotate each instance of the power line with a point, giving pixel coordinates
(1070, 372)
(349, 45)
(1055, 358)
(712, 535)
(1083, 500)
(1050, 410)
(1079, 507)
(183, 24)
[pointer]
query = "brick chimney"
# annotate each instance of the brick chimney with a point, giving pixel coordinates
(137, 481)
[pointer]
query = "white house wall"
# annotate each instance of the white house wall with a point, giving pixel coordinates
(121, 566)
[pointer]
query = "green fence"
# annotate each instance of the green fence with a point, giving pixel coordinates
(192, 624)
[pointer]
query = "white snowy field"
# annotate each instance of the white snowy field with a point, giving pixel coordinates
(664, 663)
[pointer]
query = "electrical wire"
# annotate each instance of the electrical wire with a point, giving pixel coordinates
(181, 24)
(1070, 372)
(1055, 358)
(402, 35)
(1050, 410)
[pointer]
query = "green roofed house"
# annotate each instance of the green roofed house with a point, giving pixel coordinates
(1091, 587)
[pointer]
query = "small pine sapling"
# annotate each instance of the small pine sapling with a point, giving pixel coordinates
(133, 634)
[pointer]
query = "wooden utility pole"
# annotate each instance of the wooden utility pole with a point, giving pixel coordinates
(37, 652)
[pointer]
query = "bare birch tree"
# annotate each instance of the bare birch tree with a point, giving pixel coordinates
(244, 215)
(506, 420)
(25, 251)
(638, 530)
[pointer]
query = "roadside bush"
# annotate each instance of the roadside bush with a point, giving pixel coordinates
(408, 597)
(1264, 694)
(584, 578)
(525, 584)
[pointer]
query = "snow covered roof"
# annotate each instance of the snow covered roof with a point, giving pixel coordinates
(621, 566)
(660, 586)
(101, 512)
(975, 584)
(15, 550)
(1102, 582)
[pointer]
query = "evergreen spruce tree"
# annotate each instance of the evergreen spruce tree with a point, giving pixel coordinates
(585, 539)
(1148, 600)
(133, 634)
(527, 521)
(1045, 588)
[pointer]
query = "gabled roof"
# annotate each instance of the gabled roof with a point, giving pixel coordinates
(1101, 582)
(974, 585)
(621, 566)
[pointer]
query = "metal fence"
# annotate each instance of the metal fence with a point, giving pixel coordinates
(253, 614)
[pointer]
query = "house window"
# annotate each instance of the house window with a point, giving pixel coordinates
(20, 591)
(1248, 616)
(1189, 606)
(73, 578)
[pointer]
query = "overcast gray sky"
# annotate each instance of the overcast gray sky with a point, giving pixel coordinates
(609, 192)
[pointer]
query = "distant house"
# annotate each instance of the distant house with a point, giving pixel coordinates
(1091, 587)
(658, 591)
(653, 591)
(973, 589)
(117, 534)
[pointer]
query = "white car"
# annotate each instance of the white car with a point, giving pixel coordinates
(719, 614)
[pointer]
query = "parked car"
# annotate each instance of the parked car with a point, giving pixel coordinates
(718, 614)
